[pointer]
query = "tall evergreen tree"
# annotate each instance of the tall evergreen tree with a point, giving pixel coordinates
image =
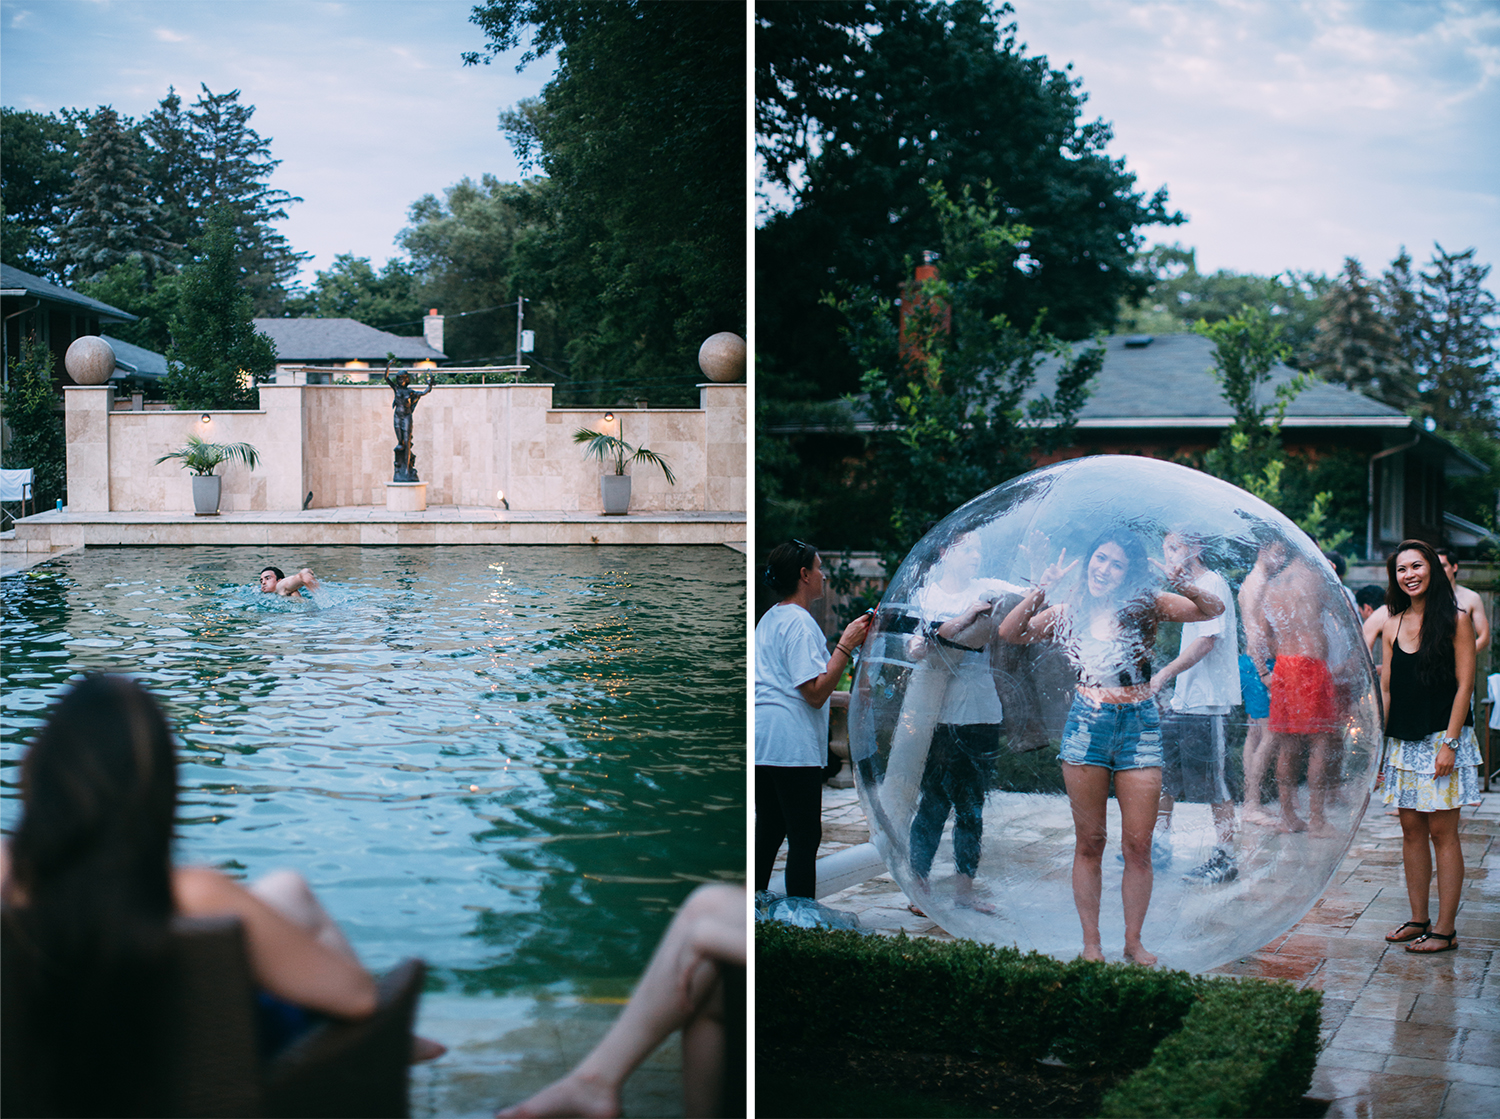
(1358, 345)
(1460, 383)
(172, 162)
(36, 174)
(217, 354)
(111, 214)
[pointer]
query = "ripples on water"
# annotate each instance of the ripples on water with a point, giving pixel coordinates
(513, 762)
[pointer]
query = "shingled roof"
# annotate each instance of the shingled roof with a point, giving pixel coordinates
(15, 282)
(340, 340)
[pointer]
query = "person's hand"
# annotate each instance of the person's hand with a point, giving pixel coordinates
(1156, 684)
(856, 631)
(980, 609)
(1055, 571)
(1173, 573)
(1446, 756)
(916, 647)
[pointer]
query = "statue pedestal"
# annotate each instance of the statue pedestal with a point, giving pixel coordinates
(405, 497)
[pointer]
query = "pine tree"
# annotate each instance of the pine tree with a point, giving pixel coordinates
(1358, 346)
(216, 355)
(1460, 381)
(172, 162)
(111, 215)
(232, 169)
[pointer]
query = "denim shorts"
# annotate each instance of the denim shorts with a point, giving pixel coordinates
(1115, 736)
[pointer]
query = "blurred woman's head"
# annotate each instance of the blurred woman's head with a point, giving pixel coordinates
(785, 564)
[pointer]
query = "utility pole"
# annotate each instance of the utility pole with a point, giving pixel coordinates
(520, 322)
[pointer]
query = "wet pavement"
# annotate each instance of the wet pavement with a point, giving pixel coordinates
(1403, 1035)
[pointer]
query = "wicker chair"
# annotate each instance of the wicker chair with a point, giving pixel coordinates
(337, 1069)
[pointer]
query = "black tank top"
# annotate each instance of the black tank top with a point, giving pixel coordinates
(1417, 709)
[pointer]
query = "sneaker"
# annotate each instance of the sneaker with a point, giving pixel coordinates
(1161, 854)
(1219, 869)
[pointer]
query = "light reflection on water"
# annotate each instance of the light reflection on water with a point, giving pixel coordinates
(514, 762)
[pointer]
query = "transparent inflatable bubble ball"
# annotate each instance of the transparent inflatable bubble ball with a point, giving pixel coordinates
(1110, 687)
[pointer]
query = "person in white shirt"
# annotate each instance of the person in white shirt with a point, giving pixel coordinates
(794, 676)
(1193, 743)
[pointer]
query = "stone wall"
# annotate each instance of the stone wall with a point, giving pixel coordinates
(471, 442)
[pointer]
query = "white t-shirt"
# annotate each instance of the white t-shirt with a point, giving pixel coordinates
(1212, 686)
(971, 696)
(790, 649)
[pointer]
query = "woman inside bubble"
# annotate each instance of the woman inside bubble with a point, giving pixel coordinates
(956, 609)
(1105, 620)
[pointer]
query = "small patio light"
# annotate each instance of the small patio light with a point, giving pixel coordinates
(207, 418)
(609, 417)
(500, 497)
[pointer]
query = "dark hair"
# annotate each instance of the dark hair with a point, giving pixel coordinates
(1340, 566)
(1445, 552)
(1371, 595)
(91, 863)
(1137, 589)
(1435, 665)
(276, 571)
(784, 566)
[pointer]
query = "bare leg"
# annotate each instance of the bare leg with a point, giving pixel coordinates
(1443, 828)
(1288, 748)
(963, 895)
(661, 1003)
(1258, 744)
(1416, 862)
(1088, 794)
(1224, 823)
(1139, 792)
(1317, 786)
(288, 893)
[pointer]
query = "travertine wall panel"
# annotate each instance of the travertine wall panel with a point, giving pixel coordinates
(471, 442)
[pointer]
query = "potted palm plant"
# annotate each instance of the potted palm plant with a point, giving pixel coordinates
(611, 450)
(201, 457)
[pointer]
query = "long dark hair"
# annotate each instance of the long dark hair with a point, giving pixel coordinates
(1136, 598)
(91, 895)
(1435, 665)
(784, 566)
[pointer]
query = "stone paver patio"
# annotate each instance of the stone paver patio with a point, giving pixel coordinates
(1402, 1035)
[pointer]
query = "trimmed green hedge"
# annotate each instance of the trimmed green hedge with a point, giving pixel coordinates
(1221, 1046)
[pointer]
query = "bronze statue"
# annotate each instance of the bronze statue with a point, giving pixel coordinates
(402, 406)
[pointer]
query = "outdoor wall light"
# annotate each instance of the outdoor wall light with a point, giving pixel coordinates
(207, 418)
(609, 417)
(500, 497)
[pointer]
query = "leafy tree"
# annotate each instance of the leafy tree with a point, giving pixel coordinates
(640, 133)
(216, 354)
(127, 286)
(861, 106)
(36, 424)
(352, 289)
(111, 215)
(36, 175)
(1359, 346)
(945, 390)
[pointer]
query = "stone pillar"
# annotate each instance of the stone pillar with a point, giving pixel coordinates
(725, 434)
(282, 456)
(86, 429)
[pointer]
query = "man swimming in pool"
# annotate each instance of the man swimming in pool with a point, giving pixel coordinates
(272, 581)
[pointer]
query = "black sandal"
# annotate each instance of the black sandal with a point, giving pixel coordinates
(1450, 945)
(1397, 938)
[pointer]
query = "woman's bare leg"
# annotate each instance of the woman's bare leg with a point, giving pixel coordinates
(1443, 828)
(680, 986)
(1139, 792)
(1416, 861)
(1088, 793)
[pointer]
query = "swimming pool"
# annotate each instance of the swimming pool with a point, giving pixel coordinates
(513, 762)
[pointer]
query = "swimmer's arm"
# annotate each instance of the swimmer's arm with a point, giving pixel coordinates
(1185, 660)
(286, 960)
(298, 579)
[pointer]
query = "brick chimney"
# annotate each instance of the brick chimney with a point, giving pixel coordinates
(432, 329)
(912, 299)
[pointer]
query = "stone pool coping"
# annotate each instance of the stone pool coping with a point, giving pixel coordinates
(45, 534)
(1401, 1036)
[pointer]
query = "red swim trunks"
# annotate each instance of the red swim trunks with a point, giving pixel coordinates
(1301, 696)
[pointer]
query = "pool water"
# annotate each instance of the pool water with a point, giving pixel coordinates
(513, 762)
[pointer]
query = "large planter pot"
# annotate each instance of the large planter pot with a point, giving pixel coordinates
(614, 493)
(206, 494)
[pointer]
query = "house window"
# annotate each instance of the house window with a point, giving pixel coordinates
(1392, 497)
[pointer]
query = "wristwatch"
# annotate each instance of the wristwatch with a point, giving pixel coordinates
(1451, 743)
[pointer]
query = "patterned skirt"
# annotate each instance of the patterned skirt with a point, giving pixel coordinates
(1409, 781)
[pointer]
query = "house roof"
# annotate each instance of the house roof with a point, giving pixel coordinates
(136, 359)
(340, 340)
(15, 282)
(1168, 381)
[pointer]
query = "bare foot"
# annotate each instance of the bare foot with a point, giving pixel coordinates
(1258, 816)
(1139, 955)
(573, 1095)
(1319, 828)
(971, 902)
(1092, 952)
(425, 1049)
(1291, 823)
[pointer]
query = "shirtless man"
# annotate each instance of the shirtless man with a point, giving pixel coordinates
(1468, 603)
(1302, 694)
(272, 581)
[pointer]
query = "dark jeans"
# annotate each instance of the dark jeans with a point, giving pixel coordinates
(958, 768)
(788, 806)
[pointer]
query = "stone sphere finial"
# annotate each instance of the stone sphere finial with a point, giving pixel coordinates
(722, 357)
(89, 360)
